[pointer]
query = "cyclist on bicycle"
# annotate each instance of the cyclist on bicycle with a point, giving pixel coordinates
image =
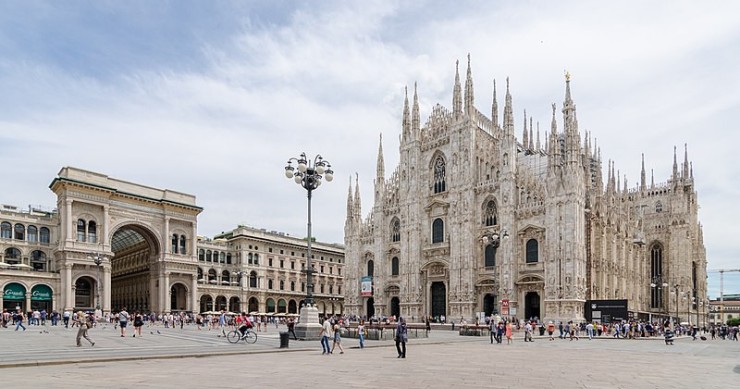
(244, 323)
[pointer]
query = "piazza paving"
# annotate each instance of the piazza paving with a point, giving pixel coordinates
(191, 358)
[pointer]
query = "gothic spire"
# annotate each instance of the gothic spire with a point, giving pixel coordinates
(457, 93)
(642, 173)
(415, 119)
(350, 204)
(494, 106)
(652, 179)
(539, 147)
(380, 170)
(508, 112)
(685, 160)
(469, 95)
(531, 135)
(406, 117)
(358, 203)
(525, 134)
(675, 165)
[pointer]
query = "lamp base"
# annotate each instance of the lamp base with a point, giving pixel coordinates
(308, 327)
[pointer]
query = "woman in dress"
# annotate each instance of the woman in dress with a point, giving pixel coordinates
(138, 323)
(337, 339)
(509, 334)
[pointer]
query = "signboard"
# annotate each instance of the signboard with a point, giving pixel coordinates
(505, 307)
(14, 292)
(366, 286)
(606, 310)
(41, 293)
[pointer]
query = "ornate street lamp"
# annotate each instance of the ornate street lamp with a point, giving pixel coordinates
(309, 176)
(98, 260)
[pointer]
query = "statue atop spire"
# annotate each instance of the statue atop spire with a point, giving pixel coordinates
(508, 112)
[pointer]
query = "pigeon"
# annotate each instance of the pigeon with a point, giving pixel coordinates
(151, 332)
(159, 332)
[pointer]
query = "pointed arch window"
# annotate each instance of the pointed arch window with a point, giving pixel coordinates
(394, 266)
(490, 256)
(370, 268)
(656, 276)
(396, 230)
(490, 214)
(438, 227)
(532, 251)
(439, 175)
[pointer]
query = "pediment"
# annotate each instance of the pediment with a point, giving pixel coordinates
(531, 229)
(437, 207)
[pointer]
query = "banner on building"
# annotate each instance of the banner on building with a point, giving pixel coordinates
(366, 286)
(505, 307)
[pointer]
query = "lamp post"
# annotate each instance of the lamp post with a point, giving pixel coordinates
(309, 177)
(656, 295)
(675, 289)
(98, 260)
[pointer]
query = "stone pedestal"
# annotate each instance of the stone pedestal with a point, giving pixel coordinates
(308, 327)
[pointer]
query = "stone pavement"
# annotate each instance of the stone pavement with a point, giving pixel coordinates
(177, 358)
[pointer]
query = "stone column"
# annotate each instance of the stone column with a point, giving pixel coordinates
(68, 225)
(106, 289)
(167, 297)
(167, 237)
(194, 294)
(106, 225)
(68, 291)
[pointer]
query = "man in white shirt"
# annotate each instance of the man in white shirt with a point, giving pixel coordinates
(327, 331)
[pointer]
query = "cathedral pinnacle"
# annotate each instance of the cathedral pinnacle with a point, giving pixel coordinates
(642, 173)
(494, 106)
(508, 112)
(406, 117)
(381, 163)
(469, 95)
(415, 119)
(457, 93)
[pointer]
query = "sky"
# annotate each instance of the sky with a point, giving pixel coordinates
(212, 98)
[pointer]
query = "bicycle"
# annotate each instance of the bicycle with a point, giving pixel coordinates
(235, 336)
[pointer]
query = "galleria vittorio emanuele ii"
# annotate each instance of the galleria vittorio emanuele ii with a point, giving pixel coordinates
(476, 220)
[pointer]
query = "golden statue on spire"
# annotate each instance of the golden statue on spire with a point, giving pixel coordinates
(567, 75)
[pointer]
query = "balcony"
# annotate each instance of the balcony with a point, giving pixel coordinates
(531, 268)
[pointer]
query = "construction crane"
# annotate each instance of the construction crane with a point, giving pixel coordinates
(722, 288)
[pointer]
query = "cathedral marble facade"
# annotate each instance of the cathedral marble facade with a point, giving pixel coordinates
(475, 220)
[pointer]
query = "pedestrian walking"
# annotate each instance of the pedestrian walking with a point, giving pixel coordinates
(551, 330)
(401, 337)
(326, 332)
(84, 323)
(361, 333)
(138, 323)
(337, 339)
(18, 318)
(509, 333)
(123, 321)
(291, 328)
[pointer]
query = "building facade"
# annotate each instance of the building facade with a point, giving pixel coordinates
(474, 220)
(111, 244)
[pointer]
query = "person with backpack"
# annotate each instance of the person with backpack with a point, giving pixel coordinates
(123, 321)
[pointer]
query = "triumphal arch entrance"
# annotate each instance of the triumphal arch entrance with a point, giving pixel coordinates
(123, 244)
